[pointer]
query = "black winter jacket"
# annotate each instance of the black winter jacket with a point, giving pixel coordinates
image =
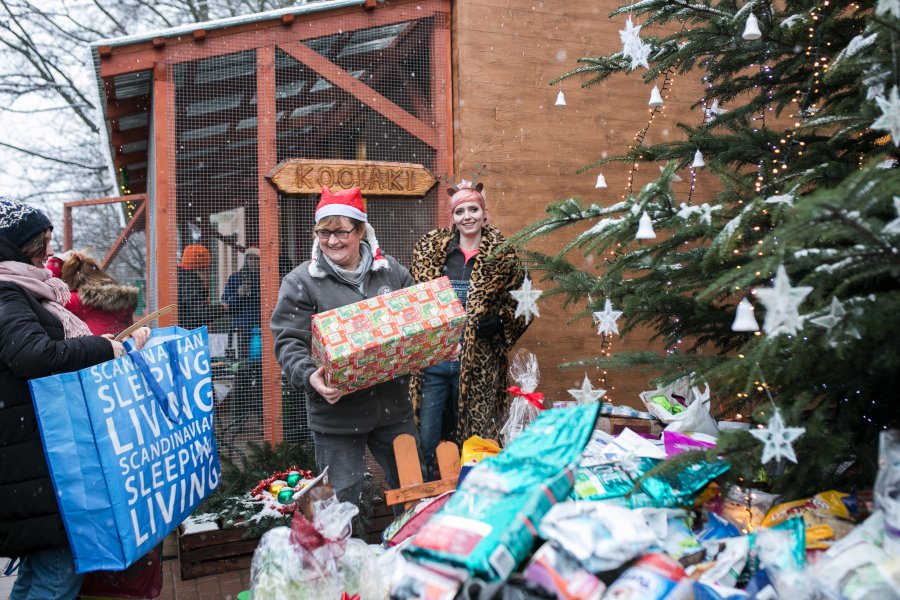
(32, 345)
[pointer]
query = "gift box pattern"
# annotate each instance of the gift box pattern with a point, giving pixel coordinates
(381, 338)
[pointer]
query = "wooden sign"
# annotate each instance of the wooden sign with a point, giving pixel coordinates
(309, 176)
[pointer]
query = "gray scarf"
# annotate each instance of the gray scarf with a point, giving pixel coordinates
(357, 277)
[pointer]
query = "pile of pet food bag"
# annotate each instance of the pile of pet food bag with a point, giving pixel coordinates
(568, 511)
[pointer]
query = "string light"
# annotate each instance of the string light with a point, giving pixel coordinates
(633, 150)
(805, 100)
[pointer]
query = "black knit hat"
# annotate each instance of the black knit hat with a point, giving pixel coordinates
(19, 223)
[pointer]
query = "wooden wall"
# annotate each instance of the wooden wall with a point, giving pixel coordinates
(505, 53)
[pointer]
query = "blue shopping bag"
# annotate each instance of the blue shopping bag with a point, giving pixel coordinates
(130, 446)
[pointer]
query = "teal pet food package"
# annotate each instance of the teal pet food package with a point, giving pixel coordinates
(490, 525)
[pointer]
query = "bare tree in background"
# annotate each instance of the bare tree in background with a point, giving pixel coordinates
(51, 149)
(50, 144)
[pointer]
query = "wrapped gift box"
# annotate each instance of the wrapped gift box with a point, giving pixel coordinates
(394, 334)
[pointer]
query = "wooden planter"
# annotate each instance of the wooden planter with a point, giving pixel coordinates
(213, 552)
(224, 550)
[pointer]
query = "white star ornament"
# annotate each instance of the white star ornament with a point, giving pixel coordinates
(777, 439)
(606, 319)
(782, 304)
(890, 115)
(526, 298)
(836, 324)
(586, 394)
(894, 226)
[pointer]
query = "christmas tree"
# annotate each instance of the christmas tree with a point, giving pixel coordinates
(800, 124)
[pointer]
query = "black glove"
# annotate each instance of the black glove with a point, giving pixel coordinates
(488, 326)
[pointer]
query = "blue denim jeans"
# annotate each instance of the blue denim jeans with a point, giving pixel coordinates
(47, 574)
(440, 393)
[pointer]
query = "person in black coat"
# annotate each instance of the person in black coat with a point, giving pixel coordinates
(38, 337)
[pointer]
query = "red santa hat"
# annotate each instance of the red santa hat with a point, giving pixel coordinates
(343, 203)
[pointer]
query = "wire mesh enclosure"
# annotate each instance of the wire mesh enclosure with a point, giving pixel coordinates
(362, 90)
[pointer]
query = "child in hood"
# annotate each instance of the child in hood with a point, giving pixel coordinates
(104, 304)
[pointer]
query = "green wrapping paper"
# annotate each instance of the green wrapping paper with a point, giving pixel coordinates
(490, 525)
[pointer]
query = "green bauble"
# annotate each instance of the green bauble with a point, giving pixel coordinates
(286, 495)
(293, 478)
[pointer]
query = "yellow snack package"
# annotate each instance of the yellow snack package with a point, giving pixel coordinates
(476, 449)
(822, 504)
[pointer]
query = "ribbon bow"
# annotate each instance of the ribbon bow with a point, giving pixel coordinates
(310, 540)
(535, 398)
(346, 596)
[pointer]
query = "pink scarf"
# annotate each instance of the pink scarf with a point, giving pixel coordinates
(53, 293)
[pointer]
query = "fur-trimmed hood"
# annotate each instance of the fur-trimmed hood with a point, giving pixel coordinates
(111, 297)
(378, 260)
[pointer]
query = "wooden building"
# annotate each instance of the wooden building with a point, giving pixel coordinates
(200, 118)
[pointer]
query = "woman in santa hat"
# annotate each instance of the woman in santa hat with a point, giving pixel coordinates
(346, 266)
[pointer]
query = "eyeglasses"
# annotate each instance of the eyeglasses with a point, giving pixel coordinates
(325, 234)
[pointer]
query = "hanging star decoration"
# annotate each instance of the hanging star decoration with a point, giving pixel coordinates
(893, 227)
(704, 210)
(713, 111)
(876, 90)
(782, 304)
(777, 439)
(606, 319)
(587, 394)
(837, 326)
(526, 298)
(890, 115)
(632, 45)
(685, 211)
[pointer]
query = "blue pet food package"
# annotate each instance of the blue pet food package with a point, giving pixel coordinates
(490, 525)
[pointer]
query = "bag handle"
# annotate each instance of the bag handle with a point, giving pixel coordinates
(158, 394)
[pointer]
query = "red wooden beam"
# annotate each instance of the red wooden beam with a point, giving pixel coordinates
(67, 227)
(119, 138)
(359, 90)
(136, 57)
(120, 160)
(134, 223)
(166, 291)
(129, 106)
(108, 200)
(269, 280)
(442, 89)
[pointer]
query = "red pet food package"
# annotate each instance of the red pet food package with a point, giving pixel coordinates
(410, 522)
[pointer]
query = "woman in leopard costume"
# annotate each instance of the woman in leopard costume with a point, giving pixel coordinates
(458, 399)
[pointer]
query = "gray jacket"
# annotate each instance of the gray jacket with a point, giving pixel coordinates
(303, 294)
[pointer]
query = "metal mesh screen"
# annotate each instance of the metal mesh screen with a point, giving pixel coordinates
(216, 194)
(96, 229)
(217, 183)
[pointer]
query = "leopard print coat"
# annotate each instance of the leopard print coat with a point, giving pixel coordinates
(483, 399)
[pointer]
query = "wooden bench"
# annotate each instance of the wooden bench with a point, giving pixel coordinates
(409, 471)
